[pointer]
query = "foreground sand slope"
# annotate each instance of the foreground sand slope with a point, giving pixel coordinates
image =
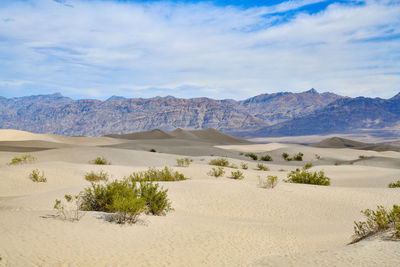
(216, 222)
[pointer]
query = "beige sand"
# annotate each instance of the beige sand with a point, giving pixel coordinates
(216, 222)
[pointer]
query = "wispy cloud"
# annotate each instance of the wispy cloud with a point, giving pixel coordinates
(102, 48)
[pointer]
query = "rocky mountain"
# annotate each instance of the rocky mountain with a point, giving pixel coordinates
(276, 114)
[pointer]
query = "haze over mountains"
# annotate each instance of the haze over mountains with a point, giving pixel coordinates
(278, 114)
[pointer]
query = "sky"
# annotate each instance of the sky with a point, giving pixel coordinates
(219, 49)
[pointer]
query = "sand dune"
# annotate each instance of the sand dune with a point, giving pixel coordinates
(216, 221)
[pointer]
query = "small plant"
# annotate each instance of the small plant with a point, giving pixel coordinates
(317, 156)
(219, 162)
(251, 155)
(351, 162)
(183, 162)
(336, 163)
(305, 177)
(244, 166)
(298, 157)
(241, 153)
(217, 172)
(69, 210)
(377, 221)
(96, 177)
(269, 182)
(307, 166)
(361, 157)
(152, 150)
(127, 209)
(394, 185)
(22, 160)
(37, 177)
(155, 198)
(237, 175)
(262, 167)
(100, 161)
(266, 158)
(282, 170)
(285, 156)
(152, 174)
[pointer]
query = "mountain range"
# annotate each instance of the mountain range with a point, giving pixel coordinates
(277, 114)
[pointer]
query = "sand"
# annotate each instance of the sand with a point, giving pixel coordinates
(216, 221)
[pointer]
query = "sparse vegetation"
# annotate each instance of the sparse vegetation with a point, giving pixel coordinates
(262, 167)
(269, 182)
(223, 162)
(152, 174)
(237, 175)
(317, 156)
(336, 163)
(307, 166)
(297, 157)
(233, 166)
(394, 185)
(251, 155)
(152, 150)
(22, 160)
(266, 158)
(96, 177)
(37, 176)
(305, 177)
(69, 210)
(361, 157)
(183, 162)
(244, 166)
(217, 172)
(285, 156)
(100, 161)
(377, 221)
(282, 170)
(241, 153)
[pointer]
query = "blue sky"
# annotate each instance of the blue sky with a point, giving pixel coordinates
(220, 49)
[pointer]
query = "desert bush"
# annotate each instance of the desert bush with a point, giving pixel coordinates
(307, 166)
(156, 198)
(96, 177)
(285, 156)
(21, 160)
(217, 172)
(37, 177)
(69, 210)
(376, 221)
(152, 174)
(127, 209)
(394, 185)
(336, 163)
(298, 156)
(305, 177)
(251, 155)
(282, 170)
(266, 158)
(100, 161)
(361, 157)
(262, 167)
(219, 162)
(269, 182)
(237, 175)
(317, 156)
(183, 162)
(241, 153)
(244, 166)
(152, 150)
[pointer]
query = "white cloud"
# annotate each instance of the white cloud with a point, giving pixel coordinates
(101, 48)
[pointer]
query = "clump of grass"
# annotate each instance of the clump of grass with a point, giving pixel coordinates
(377, 221)
(305, 177)
(394, 185)
(152, 150)
(269, 182)
(297, 157)
(69, 209)
(100, 161)
(223, 162)
(37, 176)
(217, 172)
(262, 167)
(96, 177)
(266, 158)
(244, 166)
(307, 166)
(251, 155)
(183, 162)
(22, 160)
(237, 175)
(153, 174)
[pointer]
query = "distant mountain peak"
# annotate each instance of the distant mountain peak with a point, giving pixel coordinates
(115, 97)
(396, 97)
(312, 91)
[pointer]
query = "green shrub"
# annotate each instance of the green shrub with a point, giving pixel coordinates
(156, 198)
(152, 174)
(219, 162)
(285, 156)
(317, 156)
(244, 166)
(336, 163)
(127, 209)
(394, 185)
(307, 166)
(376, 221)
(69, 210)
(251, 155)
(266, 158)
(96, 177)
(306, 177)
(217, 172)
(237, 175)
(361, 157)
(298, 157)
(269, 182)
(183, 162)
(37, 177)
(152, 150)
(282, 170)
(241, 153)
(21, 160)
(262, 167)
(100, 161)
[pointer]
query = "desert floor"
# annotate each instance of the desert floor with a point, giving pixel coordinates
(216, 221)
